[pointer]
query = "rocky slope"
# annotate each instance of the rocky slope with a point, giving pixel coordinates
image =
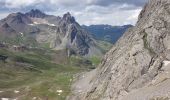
(106, 32)
(137, 67)
(36, 27)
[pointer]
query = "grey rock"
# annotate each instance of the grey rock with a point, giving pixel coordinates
(137, 60)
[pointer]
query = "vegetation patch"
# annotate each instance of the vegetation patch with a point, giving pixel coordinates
(104, 46)
(160, 98)
(146, 44)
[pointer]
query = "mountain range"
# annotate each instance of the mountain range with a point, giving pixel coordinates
(36, 28)
(106, 32)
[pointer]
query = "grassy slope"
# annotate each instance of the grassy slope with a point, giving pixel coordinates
(34, 76)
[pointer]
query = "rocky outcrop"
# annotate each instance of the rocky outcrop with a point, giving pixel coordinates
(71, 36)
(136, 68)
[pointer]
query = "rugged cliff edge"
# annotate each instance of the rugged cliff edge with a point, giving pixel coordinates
(137, 67)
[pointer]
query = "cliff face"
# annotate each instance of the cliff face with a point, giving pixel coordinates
(137, 67)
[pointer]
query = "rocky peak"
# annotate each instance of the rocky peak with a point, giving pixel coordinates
(17, 18)
(35, 13)
(68, 18)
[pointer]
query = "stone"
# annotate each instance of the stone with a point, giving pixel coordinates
(133, 68)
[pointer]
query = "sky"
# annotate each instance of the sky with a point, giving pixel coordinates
(86, 12)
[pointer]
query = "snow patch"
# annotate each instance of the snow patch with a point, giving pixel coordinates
(51, 24)
(4, 98)
(31, 24)
(59, 92)
(22, 34)
(34, 98)
(45, 23)
(36, 23)
(1, 91)
(16, 91)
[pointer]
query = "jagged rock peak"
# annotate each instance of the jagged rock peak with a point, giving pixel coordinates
(36, 13)
(68, 17)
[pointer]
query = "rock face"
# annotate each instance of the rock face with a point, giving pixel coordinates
(51, 31)
(137, 67)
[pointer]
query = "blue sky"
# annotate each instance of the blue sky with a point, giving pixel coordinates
(113, 12)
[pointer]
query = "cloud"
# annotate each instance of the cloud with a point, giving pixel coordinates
(25, 3)
(115, 12)
(3, 14)
(129, 2)
(107, 15)
(19, 3)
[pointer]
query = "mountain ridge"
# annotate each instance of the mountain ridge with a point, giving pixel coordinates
(58, 32)
(106, 32)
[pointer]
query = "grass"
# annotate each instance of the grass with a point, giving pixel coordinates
(41, 85)
(90, 63)
(45, 45)
(160, 98)
(95, 60)
(34, 74)
(104, 46)
(19, 39)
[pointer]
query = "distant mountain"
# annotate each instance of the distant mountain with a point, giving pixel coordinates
(106, 32)
(35, 13)
(36, 28)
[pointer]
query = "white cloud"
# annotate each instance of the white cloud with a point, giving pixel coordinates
(114, 12)
(114, 18)
(93, 14)
(3, 14)
(65, 2)
(19, 3)
(135, 14)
